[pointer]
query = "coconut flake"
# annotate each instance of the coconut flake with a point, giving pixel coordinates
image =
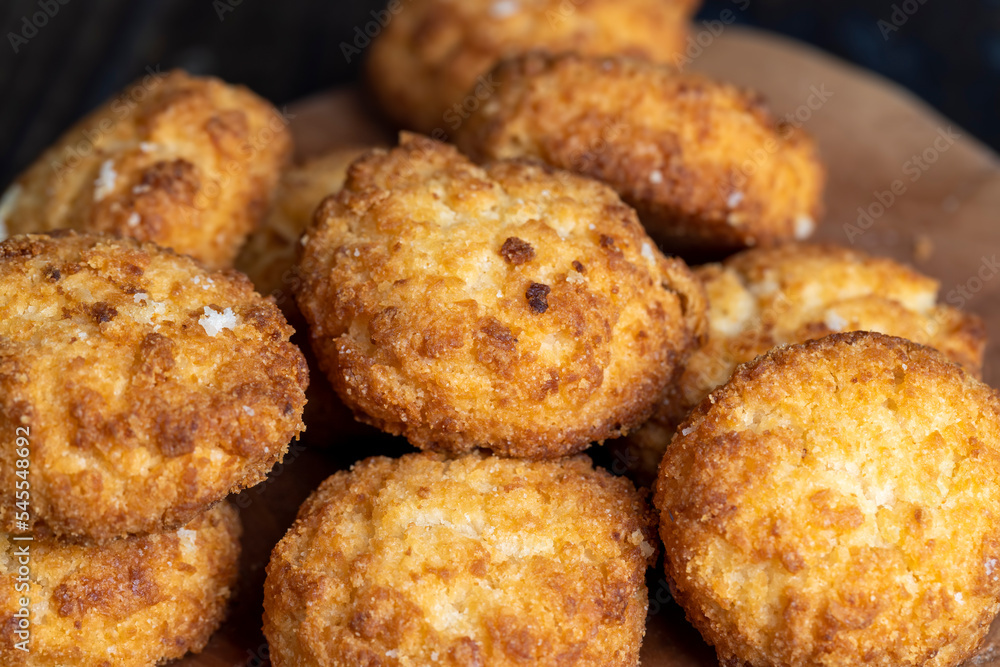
(804, 227)
(247, 409)
(734, 199)
(134, 219)
(105, 183)
(187, 540)
(647, 251)
(213, 322)
(7, 204)
(656, 177)
(834, 322)
(503, 9)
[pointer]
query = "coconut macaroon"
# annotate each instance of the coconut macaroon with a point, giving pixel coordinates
(133, 602)
(428, 66)
(268, 258)
(510, 307)
(705, 164)
(186, 162)
(762, 298)
(836, 503)
(473, 561)
(147, 387)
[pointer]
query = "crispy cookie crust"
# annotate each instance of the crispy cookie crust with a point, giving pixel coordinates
(836, 503)
(473, 561)
(429, 65)
(705, 164)
(512, 307)
(762, 298)
(151, 387)
(188, 163)
(133, 602)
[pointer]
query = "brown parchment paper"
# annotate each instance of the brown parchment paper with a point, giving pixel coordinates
(874, 137)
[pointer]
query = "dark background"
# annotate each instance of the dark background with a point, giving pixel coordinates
(946, 52)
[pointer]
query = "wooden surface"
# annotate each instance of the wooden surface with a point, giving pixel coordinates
(944, 222)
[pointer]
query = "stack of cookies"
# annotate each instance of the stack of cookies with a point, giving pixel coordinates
(808, 419)
(829, 493)
(138, 386)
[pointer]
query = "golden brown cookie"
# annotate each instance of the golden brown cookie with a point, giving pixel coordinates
(268, 258)
(836, 503)
(133, 602)
(762, 298)
(705, 164)
(429, 64)
(150, 387)
(511, 307)
(186, 162)
(473, 561)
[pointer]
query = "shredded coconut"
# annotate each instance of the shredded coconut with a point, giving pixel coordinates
(7, 204)
(734, 199)
(958, 598)
(149, 309)
(804, 227)
(213, 322)
(247, 409)
(105, 182)
(503, 9)
(656, 176)
(147, 147)
(134, 219)
(687, 431)
(834, 322)
(187, 539)
(991, 566)
(647, 251)
(392, 653)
